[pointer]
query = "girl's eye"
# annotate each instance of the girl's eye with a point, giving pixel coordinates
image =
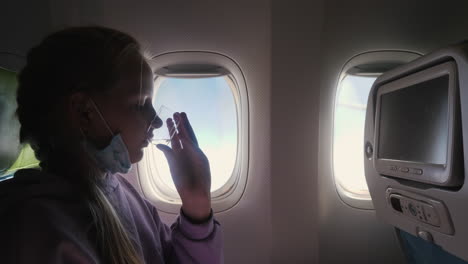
(142, 107)
(138, 107)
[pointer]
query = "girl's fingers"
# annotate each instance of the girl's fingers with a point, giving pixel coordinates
(175, 141)
(189, 129)
(185, 129)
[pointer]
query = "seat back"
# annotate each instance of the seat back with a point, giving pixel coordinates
(415, 151)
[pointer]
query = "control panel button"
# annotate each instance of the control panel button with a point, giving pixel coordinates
(404, 169)
(431, 215)
(369, 150)
(415, 171)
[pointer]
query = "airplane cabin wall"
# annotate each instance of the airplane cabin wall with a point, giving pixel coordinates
(350, 28)
(291, 53)
(23, 27)
(295, 74)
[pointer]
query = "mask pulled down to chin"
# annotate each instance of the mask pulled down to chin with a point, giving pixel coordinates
(114, 158)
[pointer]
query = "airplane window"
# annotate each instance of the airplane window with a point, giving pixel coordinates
(211, 106)
(348, 135)
(348, 117)
(25, 160)
(13, 155)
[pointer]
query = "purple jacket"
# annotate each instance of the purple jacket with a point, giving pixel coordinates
(42, 220)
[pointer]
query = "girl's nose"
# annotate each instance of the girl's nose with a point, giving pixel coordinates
(157, 122)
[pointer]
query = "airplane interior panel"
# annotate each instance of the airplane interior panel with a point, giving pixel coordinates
(323, 131)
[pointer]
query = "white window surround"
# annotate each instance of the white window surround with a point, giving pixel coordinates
(200, 64)
(348, 135)
(372, 64)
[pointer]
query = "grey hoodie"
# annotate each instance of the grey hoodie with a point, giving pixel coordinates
(43, 220)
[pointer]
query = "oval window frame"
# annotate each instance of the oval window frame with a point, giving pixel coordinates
(202, 64)
(371, 63)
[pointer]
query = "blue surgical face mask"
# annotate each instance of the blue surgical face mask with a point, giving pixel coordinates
(113, 158)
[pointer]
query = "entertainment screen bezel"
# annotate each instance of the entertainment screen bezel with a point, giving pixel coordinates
(436, 174)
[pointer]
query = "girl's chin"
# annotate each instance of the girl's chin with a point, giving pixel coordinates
(137, 156)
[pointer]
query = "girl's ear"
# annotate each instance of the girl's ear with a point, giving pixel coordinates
(80, 110)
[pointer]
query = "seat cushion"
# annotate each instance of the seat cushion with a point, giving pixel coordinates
(419, 251)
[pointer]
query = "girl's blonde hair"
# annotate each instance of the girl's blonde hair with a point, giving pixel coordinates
(80, 59)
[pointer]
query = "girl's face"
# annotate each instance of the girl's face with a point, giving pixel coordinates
(127, 109)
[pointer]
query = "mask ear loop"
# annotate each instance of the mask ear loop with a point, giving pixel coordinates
(102, 117)
(82, 133)
(141, 81)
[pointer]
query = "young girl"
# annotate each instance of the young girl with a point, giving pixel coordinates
(85, 106)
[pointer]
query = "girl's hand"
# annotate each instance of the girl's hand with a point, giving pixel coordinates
(189, 168)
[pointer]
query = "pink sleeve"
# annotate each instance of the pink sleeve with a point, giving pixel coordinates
(185, 242)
